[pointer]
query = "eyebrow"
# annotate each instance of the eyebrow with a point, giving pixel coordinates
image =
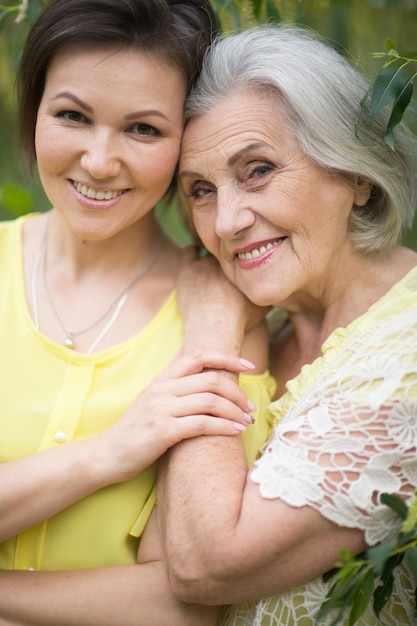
(145, 113)
(87, 107)
(75, 99)
(235, 157)
(231, 160)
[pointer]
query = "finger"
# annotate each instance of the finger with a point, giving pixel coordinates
(213, 384)
(209, 404)
(197, 361)
(200, 425)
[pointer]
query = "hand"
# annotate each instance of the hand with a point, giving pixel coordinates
(204, 295)
(183, 401)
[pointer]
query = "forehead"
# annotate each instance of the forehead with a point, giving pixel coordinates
(125, 66)
(243, 118)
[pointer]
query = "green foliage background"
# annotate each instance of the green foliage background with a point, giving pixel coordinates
(357, 27)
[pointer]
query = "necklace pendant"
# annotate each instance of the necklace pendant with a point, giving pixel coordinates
(69, 342)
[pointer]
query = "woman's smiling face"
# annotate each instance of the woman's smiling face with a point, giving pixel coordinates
(277, 222)
(108, 135)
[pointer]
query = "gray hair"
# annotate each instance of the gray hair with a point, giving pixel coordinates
(320, 93)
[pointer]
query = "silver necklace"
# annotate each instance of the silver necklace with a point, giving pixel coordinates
(117, 304)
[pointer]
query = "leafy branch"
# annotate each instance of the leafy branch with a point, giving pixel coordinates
(25, 10)
(391, 87)
(370, 574)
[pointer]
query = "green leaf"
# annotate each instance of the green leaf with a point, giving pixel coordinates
(396, 504)
(411, 557)
(272, 11)
(386, 88)
(389, 140)
(33, 10)
(382, 594)
(390, 565)
(328, 575)
(256, 8)
(400, 104)
(379, 555)
(15, 199)
(3, 15)
(362, 598)
(390, 44)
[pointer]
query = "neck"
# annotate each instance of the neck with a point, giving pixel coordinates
(79, 255)
(347, 295)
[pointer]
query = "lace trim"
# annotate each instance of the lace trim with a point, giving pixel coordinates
(353, 433)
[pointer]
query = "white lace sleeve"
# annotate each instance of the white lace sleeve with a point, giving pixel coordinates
(353, 434)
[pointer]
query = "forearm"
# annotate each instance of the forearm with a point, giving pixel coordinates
(196, 520)
(38, 486)
(122, 595)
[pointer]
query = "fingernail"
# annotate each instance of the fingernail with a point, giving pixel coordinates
(248, 418)
(251, 406)
(247, 364)
(239, 427)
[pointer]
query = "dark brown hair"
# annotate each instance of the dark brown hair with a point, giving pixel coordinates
(177, 31)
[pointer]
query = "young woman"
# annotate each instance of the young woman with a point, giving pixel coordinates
(88, 317)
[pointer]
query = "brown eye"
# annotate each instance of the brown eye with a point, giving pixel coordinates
(144, 129)
(72, 116)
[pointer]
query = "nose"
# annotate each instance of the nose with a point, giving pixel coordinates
(101, 157)
(234, 215)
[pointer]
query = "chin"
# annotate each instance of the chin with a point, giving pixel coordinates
(260, 299)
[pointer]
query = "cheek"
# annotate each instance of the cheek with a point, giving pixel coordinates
(205, 230)
(159, 165)
(52, 149)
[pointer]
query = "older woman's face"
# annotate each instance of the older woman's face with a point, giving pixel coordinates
(277, 222)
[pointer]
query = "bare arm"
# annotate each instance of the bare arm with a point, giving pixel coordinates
(137, 595)
(236, 545)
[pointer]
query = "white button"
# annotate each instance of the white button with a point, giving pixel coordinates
(60, 436)
(31, 569)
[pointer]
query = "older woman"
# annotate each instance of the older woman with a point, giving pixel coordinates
(302, 202)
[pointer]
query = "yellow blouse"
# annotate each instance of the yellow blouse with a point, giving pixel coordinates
(51, 395)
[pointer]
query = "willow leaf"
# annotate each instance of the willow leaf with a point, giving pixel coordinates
(400, 104)
(396, 504)
(256, 8)
(273, 13)
(411, 557)
(382, 594)
(386, 88)
(379, 555)
(3, 15)
(362, 598)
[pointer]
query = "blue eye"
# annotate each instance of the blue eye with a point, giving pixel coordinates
(200, 193)
(260, 170)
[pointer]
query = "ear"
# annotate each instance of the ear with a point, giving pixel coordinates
(363, 189)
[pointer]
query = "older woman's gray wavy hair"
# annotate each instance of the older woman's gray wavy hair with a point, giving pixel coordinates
(320, 93)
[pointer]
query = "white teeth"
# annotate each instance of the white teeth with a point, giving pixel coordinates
(256, 252)
(89, 192)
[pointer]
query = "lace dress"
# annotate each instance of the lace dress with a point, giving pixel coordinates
(346, 431)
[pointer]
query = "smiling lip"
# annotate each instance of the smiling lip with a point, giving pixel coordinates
(97, 194)
(259, 250)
